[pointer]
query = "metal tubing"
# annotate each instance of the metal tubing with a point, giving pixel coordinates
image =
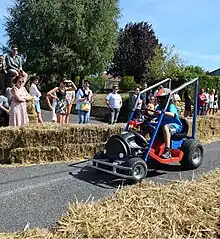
(139, 95)
(183, 86)
(196, 91)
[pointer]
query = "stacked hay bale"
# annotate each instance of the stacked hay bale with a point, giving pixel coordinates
(148, 210)
(32, 115)
(52, 142)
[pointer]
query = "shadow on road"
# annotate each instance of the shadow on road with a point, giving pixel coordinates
(105, 180)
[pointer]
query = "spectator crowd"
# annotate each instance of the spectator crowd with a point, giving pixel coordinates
(14, 97)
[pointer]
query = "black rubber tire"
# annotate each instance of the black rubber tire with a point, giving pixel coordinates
(193, 154)
(99, 155)
(137, 164)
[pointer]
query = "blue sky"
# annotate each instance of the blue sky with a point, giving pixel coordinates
(191, 25)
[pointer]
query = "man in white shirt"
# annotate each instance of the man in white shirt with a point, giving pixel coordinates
(36, 94)
(114, 102)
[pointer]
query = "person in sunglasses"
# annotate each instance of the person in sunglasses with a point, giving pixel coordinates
(18, 110)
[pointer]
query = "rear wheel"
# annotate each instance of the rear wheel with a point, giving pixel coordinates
(193, 154)
(98, 155)
(138, 168)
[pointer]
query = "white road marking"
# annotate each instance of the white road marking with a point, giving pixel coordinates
(32, 186)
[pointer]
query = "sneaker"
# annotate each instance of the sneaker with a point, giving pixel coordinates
(166, 154)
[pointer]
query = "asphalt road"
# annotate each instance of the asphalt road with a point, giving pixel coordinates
(39, 195)
(47, 117)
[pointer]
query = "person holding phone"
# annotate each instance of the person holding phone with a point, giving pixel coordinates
(84, 99)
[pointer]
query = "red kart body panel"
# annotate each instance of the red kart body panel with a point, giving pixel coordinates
(157, 150)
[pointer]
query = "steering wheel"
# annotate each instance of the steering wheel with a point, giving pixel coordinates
(148, 120)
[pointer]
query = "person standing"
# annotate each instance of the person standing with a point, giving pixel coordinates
(84, 99)
(70, 99)
(14, 63)
(36, 94)
(3, 72)
(4, 109)
(211, 102)
(18, 110)
(137, 113)
(216, 102)
(201, 102)
(114, 102)
(207, 101)
(61, 98)
(188, 104)
(52, 107)
(144, 96)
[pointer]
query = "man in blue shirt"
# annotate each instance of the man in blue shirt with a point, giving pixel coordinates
(171, 123)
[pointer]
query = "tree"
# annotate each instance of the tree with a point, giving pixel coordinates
(127, 83)
(66, 35)
(136, 44)
(166, 63)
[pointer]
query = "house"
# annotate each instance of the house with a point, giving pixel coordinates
(215, 72)
(110, 81)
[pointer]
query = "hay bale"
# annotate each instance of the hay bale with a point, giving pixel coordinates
(32, 115)
(76, 151)
(180, 210)
(29, 234)
(34, 155)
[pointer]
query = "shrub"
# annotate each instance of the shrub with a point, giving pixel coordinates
(127, 83)
(97, 83)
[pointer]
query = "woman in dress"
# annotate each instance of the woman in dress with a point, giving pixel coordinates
(216, 101)
(211, 102)
(18, 110)
(59, 93)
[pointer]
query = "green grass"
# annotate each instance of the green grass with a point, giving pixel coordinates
(99, 99)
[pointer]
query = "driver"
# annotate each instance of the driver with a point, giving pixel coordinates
(171, 123)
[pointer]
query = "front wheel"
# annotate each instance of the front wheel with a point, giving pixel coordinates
(138, 169)
(193, 154)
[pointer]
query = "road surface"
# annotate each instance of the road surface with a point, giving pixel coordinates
(39, 195)
(47, 117)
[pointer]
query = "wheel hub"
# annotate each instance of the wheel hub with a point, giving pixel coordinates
(196, 156)
(139, 172)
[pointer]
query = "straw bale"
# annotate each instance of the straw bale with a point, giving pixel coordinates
(148, 210)
(4, 155)
(57, 135)
(34, 155)
(78, 140)
(9, 137)
(32, 115)
(74, 151)
(29, 234)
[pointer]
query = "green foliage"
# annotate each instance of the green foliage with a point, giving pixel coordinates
(64, 36)
(168, 64)
(136, 43)
(97, 84)
(127, 83)
(211, 82)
